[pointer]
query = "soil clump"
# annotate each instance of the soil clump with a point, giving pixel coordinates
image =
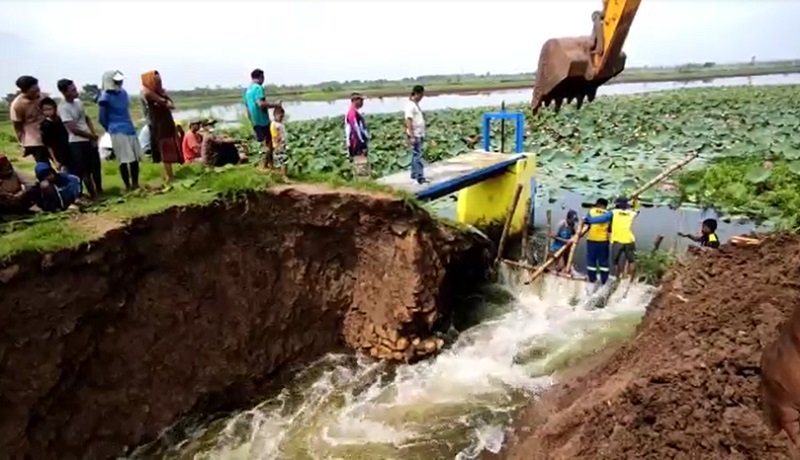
(687, 385)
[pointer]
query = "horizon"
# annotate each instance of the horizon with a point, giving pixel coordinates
(665, 33)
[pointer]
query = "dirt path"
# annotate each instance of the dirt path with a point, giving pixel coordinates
(687, 386)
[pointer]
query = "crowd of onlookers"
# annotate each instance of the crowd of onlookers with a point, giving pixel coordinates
(67, 148)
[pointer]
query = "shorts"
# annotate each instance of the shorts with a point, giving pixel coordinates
(39, 153)
(263, 134)
(626, 250)
(280, 158)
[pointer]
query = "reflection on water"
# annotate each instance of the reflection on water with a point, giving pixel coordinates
(307, 110)
(455, 405)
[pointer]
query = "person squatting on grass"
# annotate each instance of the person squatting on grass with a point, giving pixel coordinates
(415, 133)
(115, 117)
(15, 196)
(163, 133)
(357, 136)
(84, 157)
(57, 190)
(277, 131)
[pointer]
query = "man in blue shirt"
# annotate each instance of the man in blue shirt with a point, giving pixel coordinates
(258, 113)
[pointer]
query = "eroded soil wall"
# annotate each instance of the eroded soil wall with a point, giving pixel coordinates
(103, 346)
(687, 386)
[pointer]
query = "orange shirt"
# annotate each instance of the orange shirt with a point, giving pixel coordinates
(191, 147)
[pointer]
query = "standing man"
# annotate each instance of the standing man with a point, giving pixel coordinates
(415, 133)
(27, 116)
(623, 240)
(84, 158)
(258, 113)
(357, 136)
(597, 245)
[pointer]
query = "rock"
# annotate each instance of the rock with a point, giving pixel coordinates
(402, 344)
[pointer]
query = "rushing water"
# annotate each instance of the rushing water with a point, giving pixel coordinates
(307, 110)
(452, 406)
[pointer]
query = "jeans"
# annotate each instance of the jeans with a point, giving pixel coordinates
(416, 159)
(597, 260)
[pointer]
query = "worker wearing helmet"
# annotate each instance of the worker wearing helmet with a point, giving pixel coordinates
(623, 240)
(597, 245)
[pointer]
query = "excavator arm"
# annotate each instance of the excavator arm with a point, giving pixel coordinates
(572, 68)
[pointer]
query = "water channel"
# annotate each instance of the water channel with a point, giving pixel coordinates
(461, 402)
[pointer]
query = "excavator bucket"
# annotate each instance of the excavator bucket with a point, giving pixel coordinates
(566, 73)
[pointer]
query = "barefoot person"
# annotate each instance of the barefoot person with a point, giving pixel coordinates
(26, 114)
(277, 131)
(357, 136)
(84, 160)
(258, 113)
(115, 118)
(163, 132)
(415, 133)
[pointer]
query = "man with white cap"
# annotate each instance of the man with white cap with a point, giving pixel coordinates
(115, 117)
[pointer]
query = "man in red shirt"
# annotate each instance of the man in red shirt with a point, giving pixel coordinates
(192, 142)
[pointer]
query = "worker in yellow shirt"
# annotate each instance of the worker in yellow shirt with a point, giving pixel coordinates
(623, 241)
(597, 245)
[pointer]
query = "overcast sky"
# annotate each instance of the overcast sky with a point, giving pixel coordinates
(202, 42)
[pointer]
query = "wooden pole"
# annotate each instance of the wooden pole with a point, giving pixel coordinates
(657, 244)
(577, 236)
(506, 228)
(663, 175)
(525, 253)
(547, 237)
(538, 272)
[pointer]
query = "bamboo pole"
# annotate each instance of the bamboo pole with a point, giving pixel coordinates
(547, 237)
(657, 244)
(525, 253)
(506, 228)
(568, 267)
(538, 272)
(663, 175)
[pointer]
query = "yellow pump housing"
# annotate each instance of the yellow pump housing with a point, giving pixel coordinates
(568, 69)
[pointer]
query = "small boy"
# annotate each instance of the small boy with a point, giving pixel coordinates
(58, 190)
(278, 133)
(566, 230)
(708, 234)
(56, 138)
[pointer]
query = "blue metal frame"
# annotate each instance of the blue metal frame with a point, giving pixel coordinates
(519, 121)
(456, 184)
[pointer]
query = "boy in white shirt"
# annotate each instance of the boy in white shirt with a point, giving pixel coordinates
(415, 132)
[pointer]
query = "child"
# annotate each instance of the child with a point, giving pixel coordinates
(56, 138)
(708, 234)
(278, 133)
(566, 230)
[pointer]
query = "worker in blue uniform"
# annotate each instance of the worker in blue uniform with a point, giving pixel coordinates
(597, 243)
(623, 240)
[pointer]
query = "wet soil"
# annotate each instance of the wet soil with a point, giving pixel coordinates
(198, 309)
(687, 385)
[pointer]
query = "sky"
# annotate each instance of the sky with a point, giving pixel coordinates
(208, 43)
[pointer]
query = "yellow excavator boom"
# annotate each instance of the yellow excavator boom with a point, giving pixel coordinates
(574, 67)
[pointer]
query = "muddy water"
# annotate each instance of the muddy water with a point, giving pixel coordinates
(307, 110)
(453, 406)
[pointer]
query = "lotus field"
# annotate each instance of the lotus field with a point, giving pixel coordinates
(748, 139)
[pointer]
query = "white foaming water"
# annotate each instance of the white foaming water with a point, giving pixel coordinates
(452, 406)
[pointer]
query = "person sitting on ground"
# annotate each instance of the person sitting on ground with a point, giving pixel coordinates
(56, 137)
(217, 150)
(566, 230)
(623, 240)
(192, 141)
(708, 234)
(15, 196)
(278, 133)
(58, 190)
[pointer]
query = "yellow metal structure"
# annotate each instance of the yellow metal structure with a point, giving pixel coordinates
(487, 202)
(569, 70)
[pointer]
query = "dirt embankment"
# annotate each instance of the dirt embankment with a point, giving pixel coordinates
(687, 386)
(197, 309)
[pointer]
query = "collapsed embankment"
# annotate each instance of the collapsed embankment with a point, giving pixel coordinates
(196, 309)
(687, 385)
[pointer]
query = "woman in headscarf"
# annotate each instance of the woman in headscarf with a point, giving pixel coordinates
(162, 126)
(14, 196)
(115, 117)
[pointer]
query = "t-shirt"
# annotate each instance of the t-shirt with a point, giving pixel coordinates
(417, 119)
(74, 112)
(709, 241)
(278, 130)
(190, 147)
(55, 137)
(28, 112)
(258, 116)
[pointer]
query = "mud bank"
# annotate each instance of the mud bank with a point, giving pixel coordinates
(687, 385)
(197, 309)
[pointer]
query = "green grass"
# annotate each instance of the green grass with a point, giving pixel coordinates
(41, 235)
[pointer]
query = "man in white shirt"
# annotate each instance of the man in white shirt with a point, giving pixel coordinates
(415, 132)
